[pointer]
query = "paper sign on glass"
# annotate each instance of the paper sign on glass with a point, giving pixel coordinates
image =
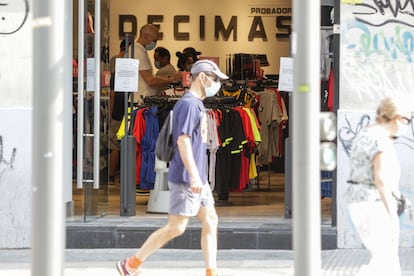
(286, 74)
(126, 75)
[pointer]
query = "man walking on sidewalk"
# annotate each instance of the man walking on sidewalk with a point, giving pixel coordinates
(190, 193)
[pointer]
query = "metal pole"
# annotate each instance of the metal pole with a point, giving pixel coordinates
(128, 155)
(81, 70)
(125, 150)
(336, 66)
(97, 96)
(305, 138)
(51, 108)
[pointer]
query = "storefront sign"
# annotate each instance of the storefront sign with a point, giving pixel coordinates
(227, 30)
(217, 28)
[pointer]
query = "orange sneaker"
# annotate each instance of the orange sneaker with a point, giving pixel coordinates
(123, 271)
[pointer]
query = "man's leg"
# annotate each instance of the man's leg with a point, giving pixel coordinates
(175, 227)
(209, 221)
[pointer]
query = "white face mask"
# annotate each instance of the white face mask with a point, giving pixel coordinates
(212, 89)
(150, 46)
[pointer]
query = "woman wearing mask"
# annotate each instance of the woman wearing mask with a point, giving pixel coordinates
(374, 179)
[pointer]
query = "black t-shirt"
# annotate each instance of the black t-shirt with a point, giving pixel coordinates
(119, 105)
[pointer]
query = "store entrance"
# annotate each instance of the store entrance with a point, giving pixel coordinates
(90, 113)
(90, 193)
(264, 197)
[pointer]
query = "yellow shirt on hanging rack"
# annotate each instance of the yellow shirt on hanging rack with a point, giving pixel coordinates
(121, 131)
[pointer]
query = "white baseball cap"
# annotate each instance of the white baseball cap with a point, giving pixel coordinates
(205, 65)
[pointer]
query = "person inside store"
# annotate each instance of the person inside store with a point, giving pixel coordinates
(116, 111)
(373, 183)
(162, 61)
(149, 84)
(185, 61)
(190, 194)
(193, 52)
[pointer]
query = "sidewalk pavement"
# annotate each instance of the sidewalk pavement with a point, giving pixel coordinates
(189, 262)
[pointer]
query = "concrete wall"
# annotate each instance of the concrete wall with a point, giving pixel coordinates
(15, 124)
(376, 60)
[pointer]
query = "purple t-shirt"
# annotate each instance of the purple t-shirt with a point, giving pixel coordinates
(187, 120)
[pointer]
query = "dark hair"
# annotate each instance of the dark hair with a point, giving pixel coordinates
(163, 52)
(193, 52)
(182, 58)
(122, 45)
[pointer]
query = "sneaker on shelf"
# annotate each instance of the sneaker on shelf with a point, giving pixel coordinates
(123, 271)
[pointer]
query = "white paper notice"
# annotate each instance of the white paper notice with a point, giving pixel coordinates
(90, 74)
(286, 74)
(126, 75)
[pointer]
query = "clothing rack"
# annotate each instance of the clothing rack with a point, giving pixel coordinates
(220, 100)
(241, 66)
(160, 99)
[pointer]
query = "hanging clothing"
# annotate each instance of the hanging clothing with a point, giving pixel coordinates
(270, 116)
(229, 154)
(248, 147)
(144, 126)
(245, 97)
(331, 90)
(147, 173)
(213, 144)
(138, 131)
(257, 140)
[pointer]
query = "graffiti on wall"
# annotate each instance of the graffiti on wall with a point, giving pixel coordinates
(380, 13)
(6, 164)
(369, 35)
(347, 133)
(377, 51)
(395, 44)
(13, 15)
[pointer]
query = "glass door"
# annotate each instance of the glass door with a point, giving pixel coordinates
(91, 109)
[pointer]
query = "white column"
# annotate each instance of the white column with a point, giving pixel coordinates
(305, 138)
(52, 93)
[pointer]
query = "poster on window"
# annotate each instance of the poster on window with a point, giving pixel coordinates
(126, 75)
(286, 74)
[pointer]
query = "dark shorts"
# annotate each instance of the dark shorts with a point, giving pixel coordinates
(114, 143)
(184, 202)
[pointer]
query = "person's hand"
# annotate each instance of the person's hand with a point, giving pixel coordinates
(177, 76)
(196, 185)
